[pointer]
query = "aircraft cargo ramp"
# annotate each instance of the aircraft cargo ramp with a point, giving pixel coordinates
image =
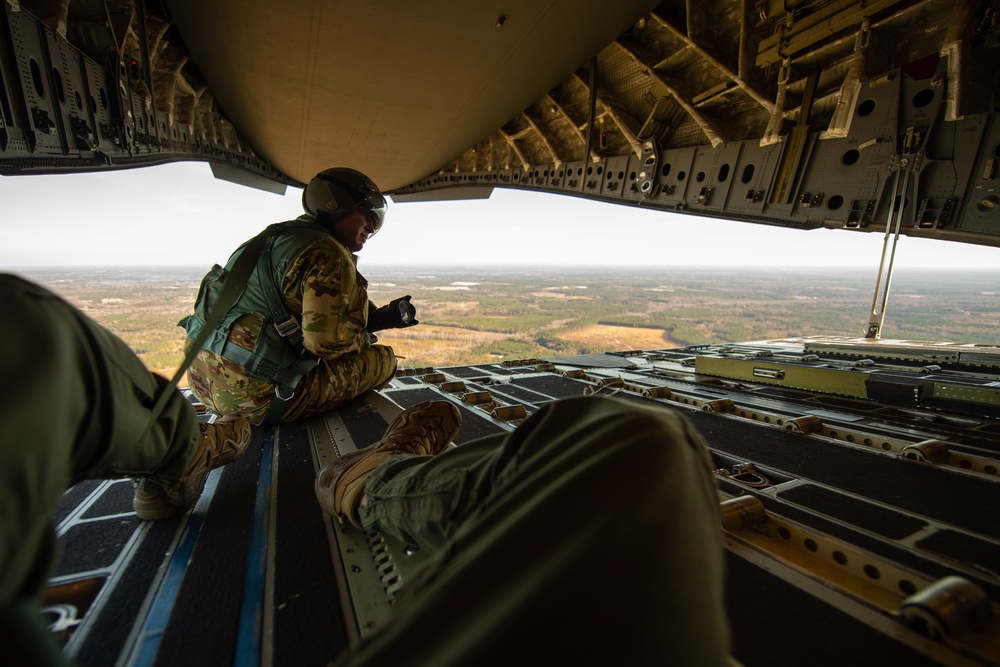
(858, 479)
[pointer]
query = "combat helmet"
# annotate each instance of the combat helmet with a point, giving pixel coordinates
(334, 193)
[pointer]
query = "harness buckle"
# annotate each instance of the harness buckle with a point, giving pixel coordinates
(286, 328)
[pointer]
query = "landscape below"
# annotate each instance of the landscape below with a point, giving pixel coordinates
(489, 314)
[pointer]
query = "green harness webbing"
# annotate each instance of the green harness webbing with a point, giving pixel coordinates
(233, 286)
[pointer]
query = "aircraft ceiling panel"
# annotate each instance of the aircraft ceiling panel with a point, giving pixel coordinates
(853, 94)
(752, 175)
(982, 214)
(874, 113)
(392, 89)
(834, 171)
(922, 97)
(712, 172)
(439, 95)
(673, 175)
(36, 85)
(572, 174)
(66, 80)
(615, 177)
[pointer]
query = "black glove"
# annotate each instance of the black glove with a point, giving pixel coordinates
(400, 313)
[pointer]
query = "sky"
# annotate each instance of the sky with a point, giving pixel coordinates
(180, 215)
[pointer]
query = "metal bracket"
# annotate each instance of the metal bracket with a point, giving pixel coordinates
(910, 160)
(650, 158)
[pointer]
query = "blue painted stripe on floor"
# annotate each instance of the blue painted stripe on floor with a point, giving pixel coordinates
(248, 638)
(148, 642)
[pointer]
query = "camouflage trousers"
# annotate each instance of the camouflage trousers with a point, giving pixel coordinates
(74, 404)
(225, 387)
(335, 383)
(589, 535)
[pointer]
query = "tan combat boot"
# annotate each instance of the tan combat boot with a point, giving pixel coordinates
(220, 443)
(424, 429)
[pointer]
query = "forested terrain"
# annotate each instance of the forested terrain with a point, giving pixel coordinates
(476, 315)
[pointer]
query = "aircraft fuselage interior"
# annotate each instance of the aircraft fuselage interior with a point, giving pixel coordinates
(858, 477)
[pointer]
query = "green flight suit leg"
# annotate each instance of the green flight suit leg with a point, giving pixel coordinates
(74, 404)
(590, 535)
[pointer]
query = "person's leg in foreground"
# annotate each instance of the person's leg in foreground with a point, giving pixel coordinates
(590, 535)
(75, 403)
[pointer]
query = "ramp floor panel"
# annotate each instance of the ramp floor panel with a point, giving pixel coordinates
(257, 575)
(754, 594)
(865, 515)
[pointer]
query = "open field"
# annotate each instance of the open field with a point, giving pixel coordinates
(470, 316)
(612, 337)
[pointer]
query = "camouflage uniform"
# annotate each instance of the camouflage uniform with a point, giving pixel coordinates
(526, 532)
(324, 289)
(75, 404)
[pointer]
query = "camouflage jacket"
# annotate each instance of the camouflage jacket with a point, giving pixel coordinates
(324, 291)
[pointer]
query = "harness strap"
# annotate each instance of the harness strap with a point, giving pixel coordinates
(234, 285)
(285, 324)
(287, 375)
(274, 410)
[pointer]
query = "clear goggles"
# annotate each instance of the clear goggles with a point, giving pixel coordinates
(372, 205)
(368, 200)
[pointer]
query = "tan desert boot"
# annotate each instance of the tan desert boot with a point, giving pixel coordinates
(424, 429)
(220, 443)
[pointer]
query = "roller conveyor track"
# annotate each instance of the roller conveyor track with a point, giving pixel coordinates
(284, 585)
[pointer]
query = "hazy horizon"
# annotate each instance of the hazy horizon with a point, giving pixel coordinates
(560, 268)
(470, 315)
(178, 214)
